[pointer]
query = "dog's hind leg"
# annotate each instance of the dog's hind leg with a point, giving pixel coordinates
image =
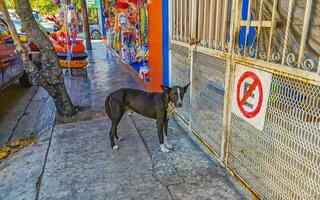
(112, 134)
(118, 139)
(117, 113)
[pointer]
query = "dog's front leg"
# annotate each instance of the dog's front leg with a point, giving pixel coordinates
(160, 135)
(166, 144)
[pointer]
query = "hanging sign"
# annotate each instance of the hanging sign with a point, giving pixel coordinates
(251, 94)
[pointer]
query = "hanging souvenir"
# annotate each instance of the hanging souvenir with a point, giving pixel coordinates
(122, 4)
(112, 20)
(144, 72)
(122, 19)
(127, 30)
(118, 41)
(143, 21)
(132, 54)
(116, 20)
(125, 55)
(56, 2)
(111, 3)
(134, 2)
(132, 19)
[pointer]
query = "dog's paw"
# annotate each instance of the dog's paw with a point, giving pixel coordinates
(115, 147)
(164, 149)
(119, 139)
(168, 146)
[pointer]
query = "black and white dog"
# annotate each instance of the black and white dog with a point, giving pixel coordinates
(155, 105)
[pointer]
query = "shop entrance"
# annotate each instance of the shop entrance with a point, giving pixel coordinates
(127, 33)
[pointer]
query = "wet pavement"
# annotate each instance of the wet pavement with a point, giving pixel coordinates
(75, 160)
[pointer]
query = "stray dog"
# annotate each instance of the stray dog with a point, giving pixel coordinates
(155, 105)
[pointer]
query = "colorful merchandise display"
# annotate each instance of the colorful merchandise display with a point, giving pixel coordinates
(60, 44)
(127, 32)
(70, 49)
(75, 64)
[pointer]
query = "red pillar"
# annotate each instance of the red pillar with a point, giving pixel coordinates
(155, 44)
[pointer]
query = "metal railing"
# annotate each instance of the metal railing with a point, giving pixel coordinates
(213, 21)
(210, 40)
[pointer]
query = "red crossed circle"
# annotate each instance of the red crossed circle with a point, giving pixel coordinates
(241, 102)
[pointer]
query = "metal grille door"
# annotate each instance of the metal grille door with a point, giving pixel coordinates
(180, 75)
(207, 102)
(282, 161)
(215, 42)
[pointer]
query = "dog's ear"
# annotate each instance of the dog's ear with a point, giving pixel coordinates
(185, 88)
(165, 88)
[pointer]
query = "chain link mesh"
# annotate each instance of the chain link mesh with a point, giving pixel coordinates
(180, 75)
(207, 99)
(283, 161)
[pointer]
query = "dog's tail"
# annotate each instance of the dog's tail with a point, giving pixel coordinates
(108, 106)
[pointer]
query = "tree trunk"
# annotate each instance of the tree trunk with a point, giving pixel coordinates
(85, 22)
(49, 75)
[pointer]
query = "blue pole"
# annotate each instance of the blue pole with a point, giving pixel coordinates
(165, 42)
(251, 33)
(103, 20)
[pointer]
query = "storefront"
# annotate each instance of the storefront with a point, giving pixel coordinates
(129, 35)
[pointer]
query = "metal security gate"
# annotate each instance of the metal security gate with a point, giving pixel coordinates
(210, 41)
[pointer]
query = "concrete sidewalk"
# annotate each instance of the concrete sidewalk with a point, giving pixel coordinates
(75, 160)
(24, 112)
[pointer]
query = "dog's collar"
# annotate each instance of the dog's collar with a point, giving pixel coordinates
(167, 99)
(171, 107)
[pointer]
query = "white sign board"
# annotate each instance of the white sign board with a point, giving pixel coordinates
(90, 1)
(251, 94)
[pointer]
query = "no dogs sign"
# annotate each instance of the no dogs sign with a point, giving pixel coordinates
(250, 96)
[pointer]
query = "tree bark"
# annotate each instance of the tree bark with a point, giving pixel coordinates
(49, 74)
(85, 22)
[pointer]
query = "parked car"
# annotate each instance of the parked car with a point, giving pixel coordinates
(51, 27)
(37, 16)
(95, 32)
(11, 65)
(34, 53)
(17, 24)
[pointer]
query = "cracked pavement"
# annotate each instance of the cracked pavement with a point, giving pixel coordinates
(75, 160)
